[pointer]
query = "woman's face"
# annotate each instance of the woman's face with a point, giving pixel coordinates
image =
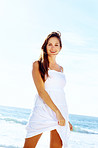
(53, 46)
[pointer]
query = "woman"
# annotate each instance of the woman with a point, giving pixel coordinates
(50, 112)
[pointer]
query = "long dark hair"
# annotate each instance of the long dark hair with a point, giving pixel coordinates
(43, 60)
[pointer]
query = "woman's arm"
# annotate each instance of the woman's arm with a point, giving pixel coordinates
(43, 93)
(41, 88)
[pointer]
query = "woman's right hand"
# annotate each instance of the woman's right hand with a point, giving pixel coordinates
(60, 118)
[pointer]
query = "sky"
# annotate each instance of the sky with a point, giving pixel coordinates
(23, 27)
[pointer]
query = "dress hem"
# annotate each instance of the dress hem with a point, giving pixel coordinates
(64, 142)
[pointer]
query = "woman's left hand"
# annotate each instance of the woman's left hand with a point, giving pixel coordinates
(70, 126)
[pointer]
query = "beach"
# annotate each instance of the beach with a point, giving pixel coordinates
(13, 122)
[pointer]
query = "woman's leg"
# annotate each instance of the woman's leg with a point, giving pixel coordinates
(32, 141)
(55, 140)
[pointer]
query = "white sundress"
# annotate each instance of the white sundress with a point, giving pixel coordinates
(42, 117)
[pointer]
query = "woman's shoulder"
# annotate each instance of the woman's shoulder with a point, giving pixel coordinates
(35, 64)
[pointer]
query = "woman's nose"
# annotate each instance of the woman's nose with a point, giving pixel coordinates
(53, 46)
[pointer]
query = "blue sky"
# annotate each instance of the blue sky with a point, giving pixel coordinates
(23, 27)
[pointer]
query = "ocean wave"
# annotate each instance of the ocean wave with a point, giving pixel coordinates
(24, 122)
(84, 130)
(8, 146)
(15, 120)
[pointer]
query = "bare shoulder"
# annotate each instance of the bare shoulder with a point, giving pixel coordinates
(35, 65)
(35, 68)
(35, 72)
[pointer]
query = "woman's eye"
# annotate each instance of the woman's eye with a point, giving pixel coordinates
(56, 45)
(49, 44)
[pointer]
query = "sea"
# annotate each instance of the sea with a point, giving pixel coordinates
(13, 122)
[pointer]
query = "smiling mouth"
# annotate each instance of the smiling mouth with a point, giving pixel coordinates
(52, 51)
